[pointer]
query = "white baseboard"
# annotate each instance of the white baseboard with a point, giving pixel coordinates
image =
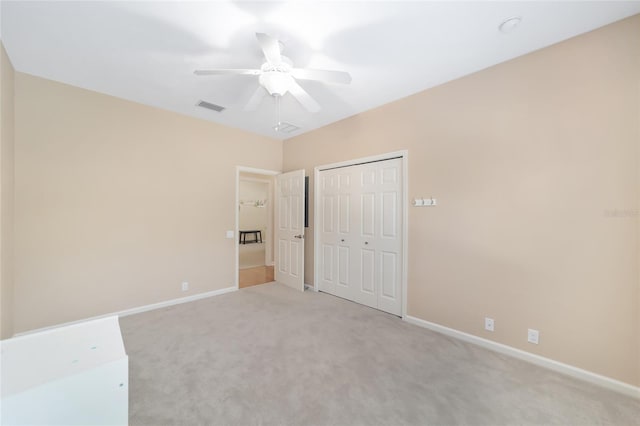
(177, 301)
(138, 309)
(569, 370)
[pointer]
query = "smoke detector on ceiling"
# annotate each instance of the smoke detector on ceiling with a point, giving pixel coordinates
(509, 25)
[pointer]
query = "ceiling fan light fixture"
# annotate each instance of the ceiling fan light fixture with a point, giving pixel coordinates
(277, 83)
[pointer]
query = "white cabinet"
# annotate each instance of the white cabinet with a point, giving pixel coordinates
(71, 375)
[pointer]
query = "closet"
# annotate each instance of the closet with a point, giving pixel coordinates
(360, 247)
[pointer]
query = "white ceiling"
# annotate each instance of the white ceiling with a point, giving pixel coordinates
(146, 51)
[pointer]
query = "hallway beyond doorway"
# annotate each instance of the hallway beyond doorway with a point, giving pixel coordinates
(253, 276)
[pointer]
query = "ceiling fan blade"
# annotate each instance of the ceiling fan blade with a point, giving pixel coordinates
(256, 98)
(325, 76)
(270, 47)
(303, 97)
(227, 72)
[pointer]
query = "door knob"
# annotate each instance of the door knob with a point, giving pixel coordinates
(342, 240)
(297, 236)
(366, 242)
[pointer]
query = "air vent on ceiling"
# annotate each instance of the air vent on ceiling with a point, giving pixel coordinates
(209, 105)
(284, 127)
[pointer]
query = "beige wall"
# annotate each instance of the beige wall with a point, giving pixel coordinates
(118, 203)
(534, 163)
(6, 200)
(250, 216)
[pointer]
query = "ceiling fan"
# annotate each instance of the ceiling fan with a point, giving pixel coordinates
(277, 76)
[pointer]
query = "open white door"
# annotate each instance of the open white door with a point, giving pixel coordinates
(289, 259)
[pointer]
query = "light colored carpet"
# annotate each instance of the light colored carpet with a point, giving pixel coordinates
(268, 355)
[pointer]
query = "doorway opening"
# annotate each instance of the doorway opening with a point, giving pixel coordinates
(254, 226)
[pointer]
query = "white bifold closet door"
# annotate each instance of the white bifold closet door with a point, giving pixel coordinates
(361, 233)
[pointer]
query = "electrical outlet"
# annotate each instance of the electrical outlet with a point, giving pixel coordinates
(488, 324)
(185, 286)
(533, 336)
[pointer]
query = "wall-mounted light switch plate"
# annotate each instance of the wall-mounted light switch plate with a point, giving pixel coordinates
(533, 336)
(229, 234)
(424, 202)
(488, 324)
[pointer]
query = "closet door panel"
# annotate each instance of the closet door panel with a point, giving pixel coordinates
(388, 276)
(344, 217)
(344, 273)
(367, 215)
(327, 221)
(389, 243)
(389, 218)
